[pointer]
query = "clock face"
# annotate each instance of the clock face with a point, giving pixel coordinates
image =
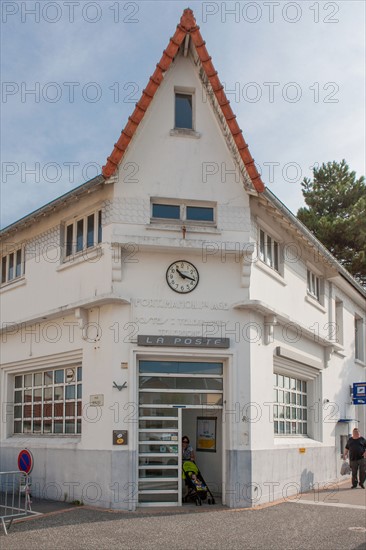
(182, 276)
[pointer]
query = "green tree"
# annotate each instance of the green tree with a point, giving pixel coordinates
(336, 214)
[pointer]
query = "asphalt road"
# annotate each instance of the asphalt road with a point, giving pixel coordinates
(285, 526)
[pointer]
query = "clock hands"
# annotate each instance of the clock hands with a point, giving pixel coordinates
(184, 276)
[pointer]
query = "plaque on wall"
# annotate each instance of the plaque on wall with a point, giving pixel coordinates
(120, 437)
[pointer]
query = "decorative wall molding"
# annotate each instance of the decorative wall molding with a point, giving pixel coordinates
(246, 267)
(116, 258)
(233, 218)
(69, 309)
(133, 210)
(81, 315)
(55, 360)
(39, 245)
(298, 357)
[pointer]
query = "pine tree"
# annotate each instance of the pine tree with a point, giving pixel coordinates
(336, 214)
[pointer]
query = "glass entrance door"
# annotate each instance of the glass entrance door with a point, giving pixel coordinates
(160, 466)
(165, 389)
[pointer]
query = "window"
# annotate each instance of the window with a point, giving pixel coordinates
(359, 339)
(172, 383)
(166, 211)
(343, 442)
(83, 233)
(313, 285)
(183, 212)
(290, 406)
(48, 402)
(268, 250)
(12, 266)
(200, 213)
(183, 111)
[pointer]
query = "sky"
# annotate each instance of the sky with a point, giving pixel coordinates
(72, 72)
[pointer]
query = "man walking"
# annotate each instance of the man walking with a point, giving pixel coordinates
(356, 447)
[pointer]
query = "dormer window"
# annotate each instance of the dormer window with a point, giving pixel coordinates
(183, 111)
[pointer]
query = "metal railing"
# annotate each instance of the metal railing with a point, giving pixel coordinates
(14, 497)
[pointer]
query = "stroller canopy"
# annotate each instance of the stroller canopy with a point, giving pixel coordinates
(189, 466)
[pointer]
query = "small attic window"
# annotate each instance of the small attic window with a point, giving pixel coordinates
(183, 111)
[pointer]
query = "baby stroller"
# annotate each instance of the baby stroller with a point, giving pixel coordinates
(197, 487)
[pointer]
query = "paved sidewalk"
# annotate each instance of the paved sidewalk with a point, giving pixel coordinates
(337, 494)
(333, 519)
(332, 494)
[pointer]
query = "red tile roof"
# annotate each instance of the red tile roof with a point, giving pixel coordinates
(186, 26)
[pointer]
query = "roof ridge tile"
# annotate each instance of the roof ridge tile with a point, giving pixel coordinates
(188, 21)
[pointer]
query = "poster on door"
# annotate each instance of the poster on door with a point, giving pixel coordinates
(206, 434)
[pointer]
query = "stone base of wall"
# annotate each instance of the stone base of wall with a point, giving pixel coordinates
(106, 478)
(259, 477)
(96, 478)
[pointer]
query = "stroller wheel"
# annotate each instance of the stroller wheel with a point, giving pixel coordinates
(208, 501)
(213, 501)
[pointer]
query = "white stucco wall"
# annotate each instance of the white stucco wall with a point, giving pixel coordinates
(123, 293)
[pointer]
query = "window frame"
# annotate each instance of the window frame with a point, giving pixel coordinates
(313, 285)
(315, 281)
(269, 248)
(183, 206)
(293, 405)
(5, 278)
(77, 247)
(34, 410)
(185, 91)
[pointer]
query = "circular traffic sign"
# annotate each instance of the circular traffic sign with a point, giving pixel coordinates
(25, 461)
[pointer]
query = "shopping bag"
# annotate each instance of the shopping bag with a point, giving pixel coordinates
(345, 468)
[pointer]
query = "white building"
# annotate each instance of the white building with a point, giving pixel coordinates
(175, 295)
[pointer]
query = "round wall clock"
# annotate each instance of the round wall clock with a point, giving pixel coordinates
(182, 276)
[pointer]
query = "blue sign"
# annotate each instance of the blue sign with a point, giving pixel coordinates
(359, 393)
